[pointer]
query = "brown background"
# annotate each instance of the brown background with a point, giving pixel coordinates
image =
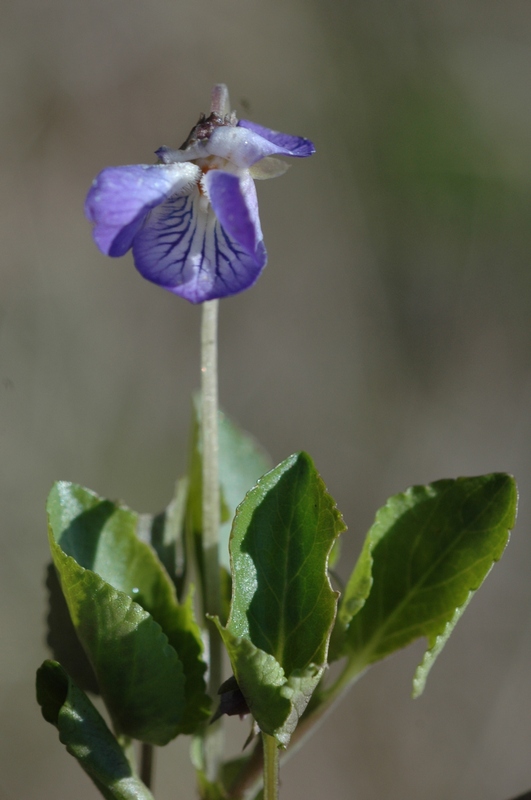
(389, 335)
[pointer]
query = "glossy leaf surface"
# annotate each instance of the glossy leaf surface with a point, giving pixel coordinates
(124, 609)
(283, 607)
(426, 554)
(86, 735)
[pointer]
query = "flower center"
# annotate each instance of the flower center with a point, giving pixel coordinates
(205, 165)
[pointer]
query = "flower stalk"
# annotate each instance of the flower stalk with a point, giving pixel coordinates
(213, 743)
(210, 453)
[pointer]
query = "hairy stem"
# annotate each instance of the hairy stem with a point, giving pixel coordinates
(213, 743)
(270, 767)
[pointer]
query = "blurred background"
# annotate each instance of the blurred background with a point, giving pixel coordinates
(389, 335)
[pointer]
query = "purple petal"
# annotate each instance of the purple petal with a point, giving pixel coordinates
(184, 248)
(243, 145)
(242, 148)
(169, 156)
(120, 198)
(234, 202)
(289, 145)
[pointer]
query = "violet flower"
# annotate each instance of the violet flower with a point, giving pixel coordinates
(192, 219)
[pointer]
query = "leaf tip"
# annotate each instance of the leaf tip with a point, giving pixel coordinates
(51, 686)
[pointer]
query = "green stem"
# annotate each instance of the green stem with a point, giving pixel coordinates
(128, 746)
(146, 763)
(270, 767)
(213, 742)
(248, 781)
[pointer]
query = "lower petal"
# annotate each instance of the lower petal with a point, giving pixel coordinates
(121, 197)
(184, 248)
(233, 198)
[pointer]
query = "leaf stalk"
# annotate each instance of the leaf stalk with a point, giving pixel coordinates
(146, 764)
(271, 766)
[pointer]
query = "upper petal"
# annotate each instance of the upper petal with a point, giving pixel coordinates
(120, 198)
(184, 248)
(243, 145)
(288, 145)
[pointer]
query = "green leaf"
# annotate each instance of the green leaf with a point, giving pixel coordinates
(164, 532)
(283, 607)
(139, 674)
(428, 551)
(62, 638)
(86, 736)
(125, 612)
(241, 463)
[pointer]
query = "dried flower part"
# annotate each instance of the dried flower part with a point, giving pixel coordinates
(231, 701)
